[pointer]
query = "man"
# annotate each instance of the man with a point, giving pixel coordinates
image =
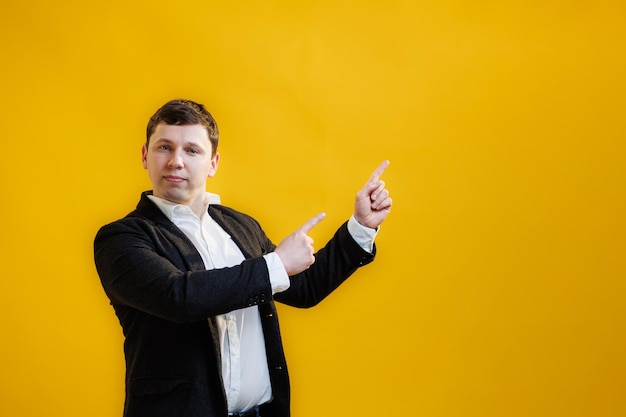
(193, 282)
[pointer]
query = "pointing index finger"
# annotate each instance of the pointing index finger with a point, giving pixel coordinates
(378, 172)
(311, 223)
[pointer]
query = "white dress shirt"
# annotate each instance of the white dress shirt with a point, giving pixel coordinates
(244, 362)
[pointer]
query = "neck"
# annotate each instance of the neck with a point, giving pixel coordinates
(199, 205)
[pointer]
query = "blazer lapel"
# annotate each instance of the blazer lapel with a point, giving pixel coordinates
(180, 241)
(232, 227)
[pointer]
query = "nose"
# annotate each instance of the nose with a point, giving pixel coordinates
(176, 161)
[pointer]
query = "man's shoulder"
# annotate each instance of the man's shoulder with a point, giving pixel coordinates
(145, 216)
(133, 221)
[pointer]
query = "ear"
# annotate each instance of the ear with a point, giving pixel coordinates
(213, 168)
(144, 156)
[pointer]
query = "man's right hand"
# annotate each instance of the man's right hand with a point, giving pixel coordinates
(296, 250)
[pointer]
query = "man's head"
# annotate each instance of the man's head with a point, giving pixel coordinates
(181, 112)
(180, 152)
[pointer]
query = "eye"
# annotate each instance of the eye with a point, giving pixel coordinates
(163, 147)
(193, 151)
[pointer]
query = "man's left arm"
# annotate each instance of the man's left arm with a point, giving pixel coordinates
(351, 247)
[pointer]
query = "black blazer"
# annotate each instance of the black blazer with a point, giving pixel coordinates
(166, 302)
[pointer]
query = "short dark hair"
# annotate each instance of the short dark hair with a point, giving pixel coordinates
(184, 112)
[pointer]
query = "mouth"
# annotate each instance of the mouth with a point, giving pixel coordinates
(173, 178)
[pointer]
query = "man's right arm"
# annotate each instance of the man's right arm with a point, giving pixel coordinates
(141, 269)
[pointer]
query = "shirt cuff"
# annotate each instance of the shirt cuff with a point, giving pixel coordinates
(278, 276)
(362, 235)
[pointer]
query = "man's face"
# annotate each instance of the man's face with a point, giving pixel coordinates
(179, 162)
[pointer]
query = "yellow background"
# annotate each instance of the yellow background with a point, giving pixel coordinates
(499, 286)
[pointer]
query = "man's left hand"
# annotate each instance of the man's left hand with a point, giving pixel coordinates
(373, 204)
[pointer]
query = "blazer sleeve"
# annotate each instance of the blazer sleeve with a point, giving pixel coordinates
(142, 267)
(334, 263)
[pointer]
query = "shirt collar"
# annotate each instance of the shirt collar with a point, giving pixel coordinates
(173, 210)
